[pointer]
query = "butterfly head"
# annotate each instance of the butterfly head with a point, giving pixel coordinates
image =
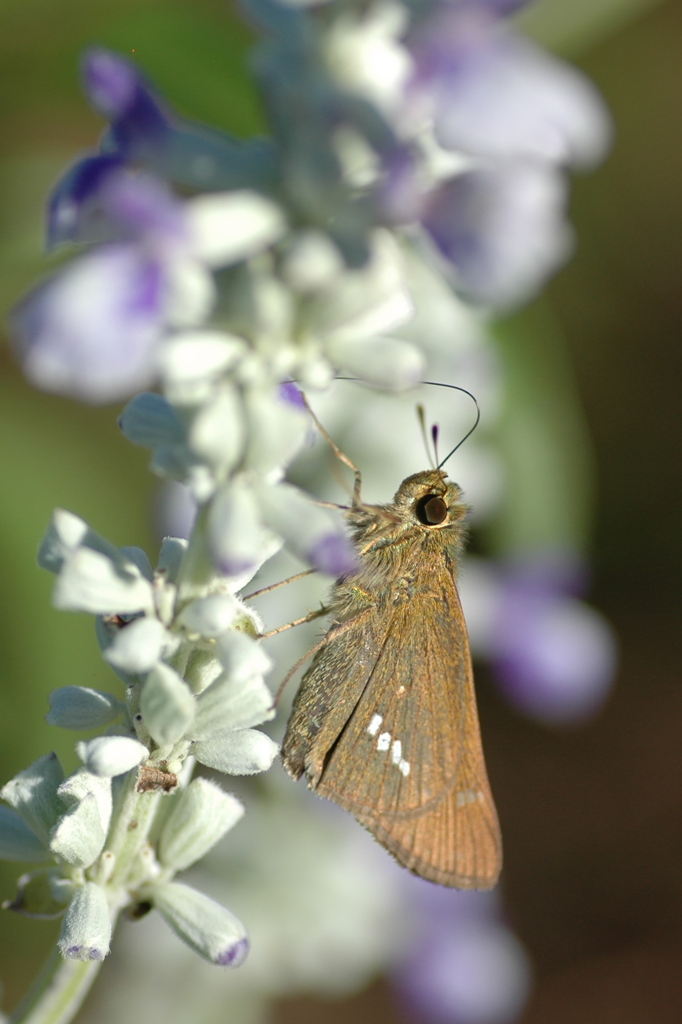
(430, 500)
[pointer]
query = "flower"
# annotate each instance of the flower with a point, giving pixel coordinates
(94, 331)
(146, 133)
(463, 966)
(554, 656)
(502, 228)
(494, 95)
(91, 332)
(204, 925)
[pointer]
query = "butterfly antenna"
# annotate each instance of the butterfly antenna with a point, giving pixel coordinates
(422, 423)
(434, 438)
(356, 472)
(455, 387)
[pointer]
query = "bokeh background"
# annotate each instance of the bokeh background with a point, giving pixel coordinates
(592, 816)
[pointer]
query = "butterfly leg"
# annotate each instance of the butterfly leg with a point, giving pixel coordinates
(318, 613)
(282, 583)
(341, 456)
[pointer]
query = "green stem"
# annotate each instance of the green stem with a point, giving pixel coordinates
(58, 992)
(133, 818)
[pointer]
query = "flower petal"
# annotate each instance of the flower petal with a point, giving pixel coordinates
(82, 783)
(167, 705)
(308, 530)
(92, 582)
(210, 616)
(236, 534)
(137, 647)
(232, 704)
(385, 362)
(233, 226)
(502, 228)
(217, 433)
(91, 331)
(66, 533)
(497, 95)
(78, 837)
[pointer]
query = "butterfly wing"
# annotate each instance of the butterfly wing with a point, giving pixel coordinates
(403, 753)
(329, 692)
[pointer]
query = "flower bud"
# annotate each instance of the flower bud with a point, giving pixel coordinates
(78, 707)
(244, 752)
(86, 928)
(166, 704)
(201, 815)
(207, 927)
(111, 755)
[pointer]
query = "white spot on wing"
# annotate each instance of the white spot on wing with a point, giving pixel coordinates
(384, 741)
(384, 744)
(468, 796)
(373, 727)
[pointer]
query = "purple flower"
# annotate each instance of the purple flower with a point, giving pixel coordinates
(118, 91)
(145, 132)
(291, 393)
(464, 965)
(75, 211)
(493, 94)
(91, 332)
(502, 228)
(99, 200)
(333, 554)
(554, 656)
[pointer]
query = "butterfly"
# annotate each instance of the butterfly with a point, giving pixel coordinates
(385, 721)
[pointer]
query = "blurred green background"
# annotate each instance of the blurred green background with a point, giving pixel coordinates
(591, 816)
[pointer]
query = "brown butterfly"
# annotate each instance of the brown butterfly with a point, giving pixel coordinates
(385, 721)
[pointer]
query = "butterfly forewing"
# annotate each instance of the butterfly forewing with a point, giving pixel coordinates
(416, 778)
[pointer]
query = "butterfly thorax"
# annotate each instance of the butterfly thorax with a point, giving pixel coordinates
(400, 551)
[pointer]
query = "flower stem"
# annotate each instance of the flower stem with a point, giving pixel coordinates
(132, 821)
(58, 992)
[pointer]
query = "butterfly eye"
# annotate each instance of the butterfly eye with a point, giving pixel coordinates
(431, 510)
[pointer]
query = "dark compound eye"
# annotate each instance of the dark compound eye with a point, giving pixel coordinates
(431, 510)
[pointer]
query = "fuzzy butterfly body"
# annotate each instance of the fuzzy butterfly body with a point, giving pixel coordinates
(385, 721)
